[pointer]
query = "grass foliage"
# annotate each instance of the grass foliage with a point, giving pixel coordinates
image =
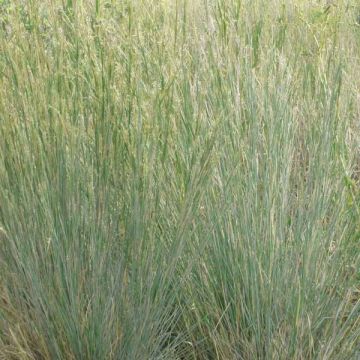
(179, 179)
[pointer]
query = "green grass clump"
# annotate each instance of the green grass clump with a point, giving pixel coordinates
(179, 180)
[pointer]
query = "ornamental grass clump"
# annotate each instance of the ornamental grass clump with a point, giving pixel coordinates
(179, 180)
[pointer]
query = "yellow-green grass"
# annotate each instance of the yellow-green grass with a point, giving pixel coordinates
(179, 179)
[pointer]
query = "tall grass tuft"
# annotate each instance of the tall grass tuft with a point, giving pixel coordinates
(179, 180)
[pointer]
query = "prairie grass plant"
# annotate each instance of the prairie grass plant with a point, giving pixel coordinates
(179, 180)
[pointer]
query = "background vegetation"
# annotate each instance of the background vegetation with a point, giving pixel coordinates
(179, 179)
